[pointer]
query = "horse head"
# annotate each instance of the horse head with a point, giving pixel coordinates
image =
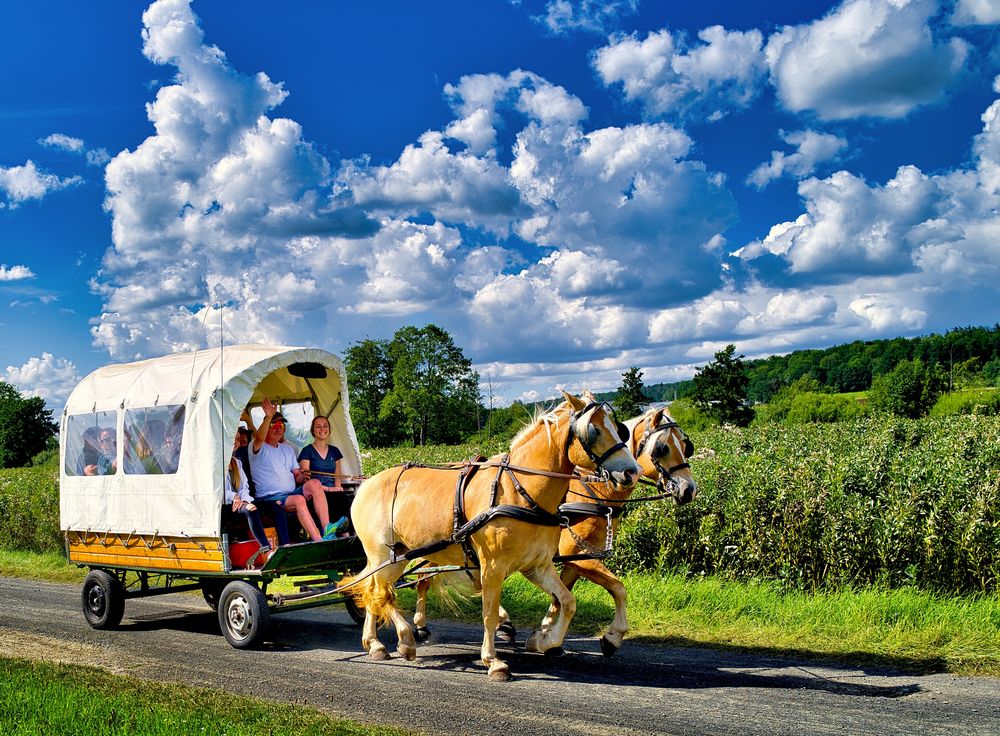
(662, 449)
(601, 441)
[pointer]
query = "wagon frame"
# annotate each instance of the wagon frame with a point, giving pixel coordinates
(149, 528)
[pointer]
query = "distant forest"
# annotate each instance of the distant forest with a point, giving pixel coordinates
(852, 367)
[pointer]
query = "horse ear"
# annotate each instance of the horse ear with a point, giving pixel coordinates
(575, 403)
(588, 396)
(656, 416)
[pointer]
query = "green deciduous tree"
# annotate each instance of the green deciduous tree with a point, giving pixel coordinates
(25, 427)
(630, 398)
(720, 388)
(908, 390)
(434, 389)
(369, 376)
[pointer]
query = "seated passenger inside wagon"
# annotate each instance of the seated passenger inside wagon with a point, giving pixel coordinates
(279, 480)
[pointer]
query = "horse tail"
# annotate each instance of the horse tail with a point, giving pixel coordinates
(453, 590)
(373, 594)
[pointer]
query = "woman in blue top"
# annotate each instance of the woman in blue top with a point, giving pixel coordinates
(321, 461)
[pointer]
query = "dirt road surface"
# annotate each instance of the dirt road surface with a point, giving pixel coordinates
(314, 657)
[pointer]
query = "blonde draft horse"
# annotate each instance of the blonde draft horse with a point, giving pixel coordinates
(412, 508)
(661, 447)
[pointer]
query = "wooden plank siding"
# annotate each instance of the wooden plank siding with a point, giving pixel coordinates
(169, 554)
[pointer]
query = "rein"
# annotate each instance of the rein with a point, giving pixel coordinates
(533, 513)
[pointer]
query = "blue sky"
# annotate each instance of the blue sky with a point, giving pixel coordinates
(570, 189)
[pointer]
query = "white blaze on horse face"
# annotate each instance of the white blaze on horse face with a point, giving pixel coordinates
(620, 463)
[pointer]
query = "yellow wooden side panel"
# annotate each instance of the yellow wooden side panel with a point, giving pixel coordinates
(170, 554)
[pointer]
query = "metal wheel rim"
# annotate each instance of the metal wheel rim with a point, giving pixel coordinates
(239, 617)
(96, 600)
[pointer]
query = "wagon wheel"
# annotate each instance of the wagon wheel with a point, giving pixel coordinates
(103, 600)
(355, 611)
(211, 589)
(243, 614)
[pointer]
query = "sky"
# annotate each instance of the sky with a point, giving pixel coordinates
(570, 189)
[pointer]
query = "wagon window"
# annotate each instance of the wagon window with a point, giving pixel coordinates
(153, 439)
(91, 444)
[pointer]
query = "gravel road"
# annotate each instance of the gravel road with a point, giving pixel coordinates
(314, 657)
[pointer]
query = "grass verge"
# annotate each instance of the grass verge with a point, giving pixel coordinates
(903, 627)
(39, 697)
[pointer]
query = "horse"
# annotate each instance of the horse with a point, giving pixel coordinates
(661, 448)
(410, 512)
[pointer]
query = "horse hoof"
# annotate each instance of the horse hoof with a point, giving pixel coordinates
(407, 653)
(554, 652)
(379, 655)
(500, 673)
(607, 648)
(422, 635)
(506, 633)
(531, 643)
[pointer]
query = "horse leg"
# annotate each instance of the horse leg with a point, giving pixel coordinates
(506, 633)
(378, 597)
(421, 632)
(596, 572)
(547, 579)
(569, 577)
(369, 638)
(491, 578)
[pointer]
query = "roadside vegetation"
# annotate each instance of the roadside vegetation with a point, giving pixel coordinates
(861, 525)
(59, 699)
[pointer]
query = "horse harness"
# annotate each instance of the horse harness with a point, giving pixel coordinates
(533, 513)
(598, 506)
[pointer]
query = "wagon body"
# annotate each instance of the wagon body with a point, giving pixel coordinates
(146, 514)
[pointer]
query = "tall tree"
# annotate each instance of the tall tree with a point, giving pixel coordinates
(630, 397)
(369, 375)
(720, 388)
(25, 427)
(434, 389)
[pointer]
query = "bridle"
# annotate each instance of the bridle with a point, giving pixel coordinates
(665, 474)
(586, 442)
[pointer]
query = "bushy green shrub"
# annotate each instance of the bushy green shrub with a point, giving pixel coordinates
(984, 401)
(690, 416)
(908, 390)
(877, 500)
(29, 509)
(823, 408)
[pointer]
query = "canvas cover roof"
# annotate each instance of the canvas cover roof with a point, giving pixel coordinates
(214, 386)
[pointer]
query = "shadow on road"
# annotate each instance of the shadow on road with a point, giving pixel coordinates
(640, 663)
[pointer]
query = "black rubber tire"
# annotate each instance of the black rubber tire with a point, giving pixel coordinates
(243, 614)
(356, 612)
(211, 590)
(103, 600)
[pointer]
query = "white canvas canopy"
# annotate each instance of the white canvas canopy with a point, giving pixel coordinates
(213, 387)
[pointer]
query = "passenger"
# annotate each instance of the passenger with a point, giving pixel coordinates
(153, 453)
(279, 480)
(245, 437)
(91, 451)
(107, 462)
(238, 494)
(320, 461)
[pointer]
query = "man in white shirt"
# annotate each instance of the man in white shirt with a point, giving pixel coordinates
(278, 479)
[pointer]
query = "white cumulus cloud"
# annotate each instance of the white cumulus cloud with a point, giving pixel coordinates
(812, 149)
(15, 273)
(49, 377)
(672, 78)
(876, 58)
(592, 16)
(18, 184)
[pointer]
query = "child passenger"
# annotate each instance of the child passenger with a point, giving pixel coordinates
(238, 494)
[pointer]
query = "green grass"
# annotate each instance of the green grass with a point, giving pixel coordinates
(44, 698)
(902, 627)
